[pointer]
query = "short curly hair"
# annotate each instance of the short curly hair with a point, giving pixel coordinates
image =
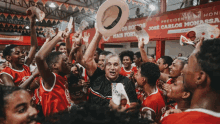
(209, 60)
(128, 53)
(151, 72)
(8, 50)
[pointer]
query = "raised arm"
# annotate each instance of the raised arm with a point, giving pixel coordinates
(43, 68)
(142, 51)
(88, 61)
(34, 43)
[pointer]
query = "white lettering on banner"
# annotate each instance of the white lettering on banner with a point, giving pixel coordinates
(129, 34)
(199, 22)
(118, 35)
(177, 25)
(132, 27)
(154, 27)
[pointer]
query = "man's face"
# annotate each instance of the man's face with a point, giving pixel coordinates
(161, 64)
(151, 59)
(62, 49)
(126, 61)
(136, 60)
(17, 56)
(101, 62)
(175, 68)
(190, 71)
(176, 89)
(139, 78)
(112, 68)
(75, 71)
(63, 64)
(96, 57)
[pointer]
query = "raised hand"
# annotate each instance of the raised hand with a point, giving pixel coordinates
(140, 42)
(86, 37)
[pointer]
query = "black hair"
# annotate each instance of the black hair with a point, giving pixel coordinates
(167, 60)
(52, 58)
(128, 53)
(98, 50)
(4, 92)
(105, 53)
(152, 55)
(209, 60)
(151, 72)
(61, 44)
(8, 50)
(94, 114)
(138, 54)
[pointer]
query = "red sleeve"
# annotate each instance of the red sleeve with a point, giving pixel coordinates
(7, 71)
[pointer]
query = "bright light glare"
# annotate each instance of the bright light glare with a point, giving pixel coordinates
(152, 7)
(27, 27)
(36, 20)
(52, 5)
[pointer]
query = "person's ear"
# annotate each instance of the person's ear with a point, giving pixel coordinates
(166, 65)
(201, 77)
(8, 58)
(186, 95)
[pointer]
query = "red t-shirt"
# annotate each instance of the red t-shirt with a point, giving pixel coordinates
(155, 103)
(57, 98)
(193, 116)
(125, 73)
(17, 76)
(169, 81)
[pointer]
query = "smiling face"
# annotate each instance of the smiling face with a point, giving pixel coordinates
(62, 49)
(63, 64)
(17, 56)
(190, 72)
(127, 62)
(20, 108)
(112, 68)
(176, 68)
(176, 90)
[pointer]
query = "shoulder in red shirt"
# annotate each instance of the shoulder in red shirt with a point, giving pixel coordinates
(193, 116)
(17, 76)
(57, 98)
(155, 103)
(127, 73)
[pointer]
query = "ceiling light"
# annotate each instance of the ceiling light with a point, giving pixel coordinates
(52, 5)
(27, 27)
(152, 7)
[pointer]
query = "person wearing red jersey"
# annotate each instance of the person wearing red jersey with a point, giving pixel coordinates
(19, 73)
(153, 105)
(180, 95)
(201, 77)
(127, 69)
(53, 90)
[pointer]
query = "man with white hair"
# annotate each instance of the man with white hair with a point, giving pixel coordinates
(101, 80)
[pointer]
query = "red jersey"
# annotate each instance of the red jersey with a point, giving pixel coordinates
(17, 76)
(57, 98)
(155, 103)
(169, 81)
(125, 73)
(193, 116)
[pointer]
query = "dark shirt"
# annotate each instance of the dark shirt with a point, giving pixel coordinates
(101, 91)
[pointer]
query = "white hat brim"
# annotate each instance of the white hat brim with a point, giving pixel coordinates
(124, 17)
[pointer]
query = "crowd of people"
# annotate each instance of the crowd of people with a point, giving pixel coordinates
(68, 84)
